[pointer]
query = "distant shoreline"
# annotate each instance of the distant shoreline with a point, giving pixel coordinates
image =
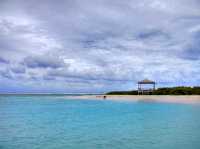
(178, 90)
(186, 99)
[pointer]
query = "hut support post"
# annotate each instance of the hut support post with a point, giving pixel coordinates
(146, 81)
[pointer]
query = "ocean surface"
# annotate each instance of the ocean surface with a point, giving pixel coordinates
(58, 122)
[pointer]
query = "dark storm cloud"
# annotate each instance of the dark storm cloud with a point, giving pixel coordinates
(2, 60)
(6, 74)
(43, 62)
(18, 69)
(191, 53)
(153, 34)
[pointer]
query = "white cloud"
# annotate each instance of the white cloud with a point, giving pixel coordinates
(100, 45)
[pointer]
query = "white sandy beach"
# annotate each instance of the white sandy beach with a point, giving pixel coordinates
(187, 99)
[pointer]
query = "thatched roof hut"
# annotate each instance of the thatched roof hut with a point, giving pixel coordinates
(146, 81)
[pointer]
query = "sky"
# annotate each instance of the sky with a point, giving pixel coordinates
(95, 46)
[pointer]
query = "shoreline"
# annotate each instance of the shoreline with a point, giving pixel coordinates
(185, 99)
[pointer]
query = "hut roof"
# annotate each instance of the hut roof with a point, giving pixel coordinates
(146, 81)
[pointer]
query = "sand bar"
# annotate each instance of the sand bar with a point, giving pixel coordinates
(187, 99)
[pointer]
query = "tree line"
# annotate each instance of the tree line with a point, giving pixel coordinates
(180, 90)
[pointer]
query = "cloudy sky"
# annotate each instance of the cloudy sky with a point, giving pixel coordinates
(77, 46)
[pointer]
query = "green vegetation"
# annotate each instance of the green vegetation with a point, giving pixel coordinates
(181, 90)
(123, 93)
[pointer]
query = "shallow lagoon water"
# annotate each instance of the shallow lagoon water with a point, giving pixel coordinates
(56, 122)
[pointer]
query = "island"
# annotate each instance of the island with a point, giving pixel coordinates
(179, 90)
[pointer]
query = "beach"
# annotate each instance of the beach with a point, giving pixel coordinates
(186, 99)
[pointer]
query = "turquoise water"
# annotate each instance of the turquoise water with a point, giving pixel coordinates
(56, 122)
